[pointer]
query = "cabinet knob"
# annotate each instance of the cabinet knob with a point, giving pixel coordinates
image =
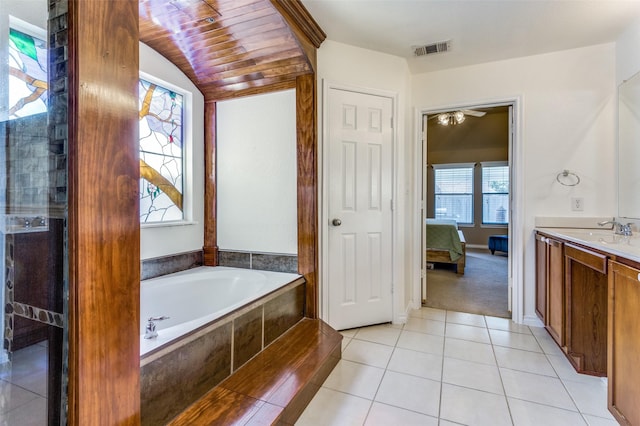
(639, 277)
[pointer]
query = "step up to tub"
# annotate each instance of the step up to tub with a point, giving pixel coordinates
(276, 385)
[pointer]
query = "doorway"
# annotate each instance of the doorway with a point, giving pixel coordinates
(468, 184)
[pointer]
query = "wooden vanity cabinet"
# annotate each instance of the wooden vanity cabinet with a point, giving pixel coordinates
(550, 287)
(586, 309)
(623, 369)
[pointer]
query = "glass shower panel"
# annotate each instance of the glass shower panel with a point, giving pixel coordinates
(32, 210)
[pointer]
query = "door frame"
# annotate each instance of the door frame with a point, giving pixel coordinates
(397, 314)
(516, 224)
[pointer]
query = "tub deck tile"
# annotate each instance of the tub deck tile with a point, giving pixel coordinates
(276, 385)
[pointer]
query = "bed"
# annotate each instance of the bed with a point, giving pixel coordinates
(445, 243)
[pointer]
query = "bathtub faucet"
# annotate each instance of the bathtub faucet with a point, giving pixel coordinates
(150, 330)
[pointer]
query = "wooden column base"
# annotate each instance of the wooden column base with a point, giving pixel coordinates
(276, 385)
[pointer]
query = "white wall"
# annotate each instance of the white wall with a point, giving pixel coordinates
(366, 69)
(627, 57)
(167, 240)
(568, 122)
(256, 173)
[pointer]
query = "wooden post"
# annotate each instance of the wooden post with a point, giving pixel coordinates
(307, 189)
(103, 218)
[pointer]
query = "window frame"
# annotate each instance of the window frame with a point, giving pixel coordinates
(187, 152)
(491, 164)
(449, 166)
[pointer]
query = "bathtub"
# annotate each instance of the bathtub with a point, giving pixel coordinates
(200, 296)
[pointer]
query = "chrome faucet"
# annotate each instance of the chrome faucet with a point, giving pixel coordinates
(150, 330)
(619, 228)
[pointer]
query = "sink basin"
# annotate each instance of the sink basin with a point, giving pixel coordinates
(604, 236)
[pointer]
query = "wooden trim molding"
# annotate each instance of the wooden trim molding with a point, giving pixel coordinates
(210, 192)
(297, 16)
(306, 131)
(104, 224)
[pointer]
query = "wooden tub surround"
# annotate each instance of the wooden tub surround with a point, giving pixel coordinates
(276, 385)
(228, 48)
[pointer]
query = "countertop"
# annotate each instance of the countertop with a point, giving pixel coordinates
(600, 239)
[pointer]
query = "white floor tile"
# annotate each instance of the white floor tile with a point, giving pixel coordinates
(525, 413)
(516, 359)
(355, 379)
(368, 353)
(565, 370)
(421, 364)
(421, 342)
(12, 396)
(590, 399)
(546, 342)
(330, 408)
(384, 334)
(33, 413)
(434, 314)
(473, 407)
(386, 415)
(472, 375)
(467, 332)
(349, 333)
(429, 375)
(345, 343)
(506, 324)
(515, 340)
(469, 351)
(535, 388)
(466, 319)
(428, 326)
(410, 392)
(599, 421)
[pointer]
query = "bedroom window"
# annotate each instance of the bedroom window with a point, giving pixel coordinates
(454, 192)
(495, 194)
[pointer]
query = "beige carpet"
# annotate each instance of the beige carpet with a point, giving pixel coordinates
(481, 290)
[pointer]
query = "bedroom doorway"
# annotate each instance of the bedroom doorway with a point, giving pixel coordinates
(467, 191)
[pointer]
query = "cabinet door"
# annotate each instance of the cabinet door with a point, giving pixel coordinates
(586, 284)
(556, 294)
(623, 368)
(541, 277)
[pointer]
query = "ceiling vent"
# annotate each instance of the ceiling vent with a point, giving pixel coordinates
(429, 49)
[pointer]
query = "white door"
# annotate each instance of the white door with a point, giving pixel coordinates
(360, 170)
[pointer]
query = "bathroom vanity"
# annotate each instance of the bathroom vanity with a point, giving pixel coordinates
(588, 297)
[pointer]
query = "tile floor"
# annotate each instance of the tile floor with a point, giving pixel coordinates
(23, 387)
(451, 368)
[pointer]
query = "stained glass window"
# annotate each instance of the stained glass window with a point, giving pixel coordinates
(27, 74)
(161, 153)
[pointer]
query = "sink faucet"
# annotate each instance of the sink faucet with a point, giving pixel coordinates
(150, 330)
(619, 228)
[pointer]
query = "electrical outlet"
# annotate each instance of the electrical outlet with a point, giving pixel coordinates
(577, 204)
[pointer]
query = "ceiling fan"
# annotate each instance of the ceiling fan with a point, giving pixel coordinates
(456, 117)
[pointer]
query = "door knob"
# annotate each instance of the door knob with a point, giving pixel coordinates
(336, 222)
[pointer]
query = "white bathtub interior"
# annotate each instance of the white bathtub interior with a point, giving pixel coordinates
(198, 296)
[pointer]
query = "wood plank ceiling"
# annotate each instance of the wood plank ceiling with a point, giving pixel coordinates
(232, 48)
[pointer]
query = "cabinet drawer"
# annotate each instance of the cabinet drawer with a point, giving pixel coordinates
(588, 258)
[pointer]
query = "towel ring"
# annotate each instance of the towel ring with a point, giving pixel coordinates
(568, 178)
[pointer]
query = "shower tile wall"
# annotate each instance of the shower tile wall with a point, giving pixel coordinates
(26, 147)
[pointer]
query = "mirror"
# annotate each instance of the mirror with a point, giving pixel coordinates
(629, 148)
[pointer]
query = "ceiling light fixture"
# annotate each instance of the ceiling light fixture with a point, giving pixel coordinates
(451, 118)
